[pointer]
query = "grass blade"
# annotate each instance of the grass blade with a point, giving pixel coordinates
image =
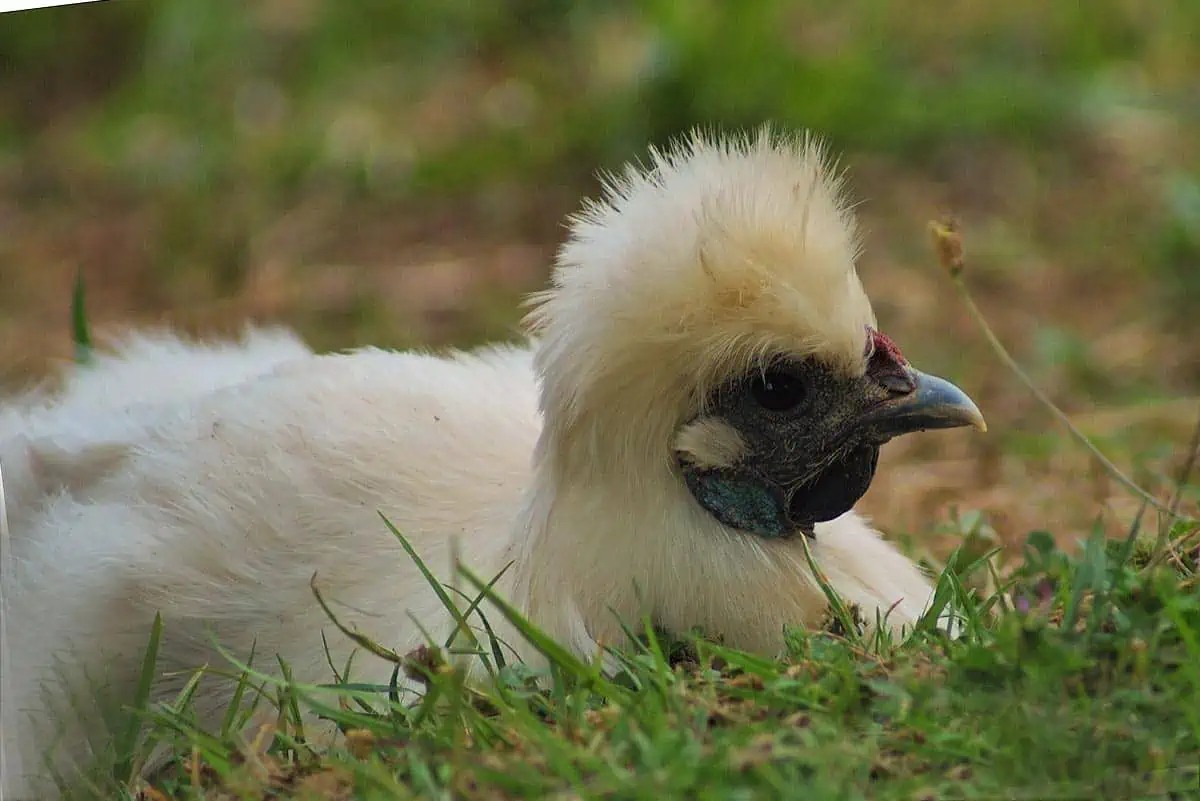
(80, 335)
(126, 744)
(459, 620)
(558, 656)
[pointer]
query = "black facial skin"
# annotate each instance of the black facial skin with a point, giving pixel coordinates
(812, 436)
(809, 455)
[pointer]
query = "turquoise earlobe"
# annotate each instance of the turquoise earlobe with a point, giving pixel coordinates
(741, 501)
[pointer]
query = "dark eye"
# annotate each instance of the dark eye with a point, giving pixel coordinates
(777, 391)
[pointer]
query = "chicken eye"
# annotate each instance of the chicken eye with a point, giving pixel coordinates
(777, 391)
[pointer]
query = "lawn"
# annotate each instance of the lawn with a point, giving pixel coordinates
(396, 174)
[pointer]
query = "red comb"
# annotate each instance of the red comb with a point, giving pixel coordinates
(882, 345)
(885, 358)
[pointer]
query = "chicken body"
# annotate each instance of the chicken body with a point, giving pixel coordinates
(209, 483)
(215, 507)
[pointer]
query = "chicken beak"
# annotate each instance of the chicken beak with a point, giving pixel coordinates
(933, 403)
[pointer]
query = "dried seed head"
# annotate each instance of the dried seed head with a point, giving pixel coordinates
(360, 742)
(423, 661)
(948, 242)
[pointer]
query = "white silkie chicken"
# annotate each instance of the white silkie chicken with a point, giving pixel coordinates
(705, 388)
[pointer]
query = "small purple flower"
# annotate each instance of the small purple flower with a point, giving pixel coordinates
(1045, 590)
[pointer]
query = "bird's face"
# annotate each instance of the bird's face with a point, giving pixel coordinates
(796, 442)
(708, 309)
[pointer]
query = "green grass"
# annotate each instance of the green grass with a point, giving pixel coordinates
(1078, 678)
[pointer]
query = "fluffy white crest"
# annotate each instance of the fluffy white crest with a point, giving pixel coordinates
(718, 255)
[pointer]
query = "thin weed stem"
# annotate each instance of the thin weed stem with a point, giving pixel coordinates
(948, 243)
(1189, 464)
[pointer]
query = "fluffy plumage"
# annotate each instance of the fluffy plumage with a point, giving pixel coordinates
(610, 459)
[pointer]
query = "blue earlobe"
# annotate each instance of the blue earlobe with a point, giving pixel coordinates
(741, 502)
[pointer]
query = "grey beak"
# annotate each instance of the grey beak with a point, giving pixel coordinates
(933, 403)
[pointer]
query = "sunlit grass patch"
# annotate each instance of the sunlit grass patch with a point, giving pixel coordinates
(1077, 677)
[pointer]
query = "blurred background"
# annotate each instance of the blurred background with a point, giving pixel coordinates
(396, 173)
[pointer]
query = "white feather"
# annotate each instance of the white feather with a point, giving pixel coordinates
(209, 482)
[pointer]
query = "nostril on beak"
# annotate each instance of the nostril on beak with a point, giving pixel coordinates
(897, 384)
